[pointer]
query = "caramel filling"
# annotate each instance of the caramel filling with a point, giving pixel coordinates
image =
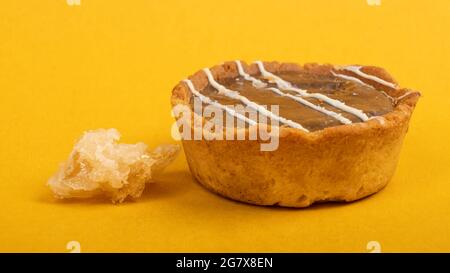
(311, 100)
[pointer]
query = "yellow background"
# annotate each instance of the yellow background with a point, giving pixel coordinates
(66, 69)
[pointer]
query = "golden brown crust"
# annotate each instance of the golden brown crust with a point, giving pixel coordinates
(340, 163)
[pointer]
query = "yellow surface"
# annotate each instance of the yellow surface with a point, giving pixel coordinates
(66, 69)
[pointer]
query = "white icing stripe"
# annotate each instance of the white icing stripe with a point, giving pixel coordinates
(256, 83)
(207, 100)
(274, 78)
(354, 79)
(312, 105)
(296, 98)
(407, 94)
(350, 78)
(235, 95)
(357, 70)
(282, 84)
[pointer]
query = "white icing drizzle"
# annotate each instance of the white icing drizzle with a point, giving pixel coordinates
(235, 95)
(350, 78)
(407, 94)
(282, 84)
(357, 70)
(312, 105)
(296, 98)
(354, 79)
(255, 82)
(274, 78)
(207, 100)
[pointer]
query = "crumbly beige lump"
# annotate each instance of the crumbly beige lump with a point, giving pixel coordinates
(100, 166)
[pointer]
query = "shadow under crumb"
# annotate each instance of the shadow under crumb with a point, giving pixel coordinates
(165, 185)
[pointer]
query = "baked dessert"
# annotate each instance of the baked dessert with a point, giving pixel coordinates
(100, 166)
(340, 131)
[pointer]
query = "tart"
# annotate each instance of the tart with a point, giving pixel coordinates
(339, 130)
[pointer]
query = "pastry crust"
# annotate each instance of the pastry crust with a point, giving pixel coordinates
(340, 163)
